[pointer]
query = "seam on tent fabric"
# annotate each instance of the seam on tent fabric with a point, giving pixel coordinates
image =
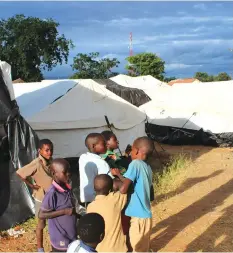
(56, 99)
(104, 95)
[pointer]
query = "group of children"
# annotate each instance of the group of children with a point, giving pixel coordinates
(115, 193)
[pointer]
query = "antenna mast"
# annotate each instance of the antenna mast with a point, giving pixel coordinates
(131, 44)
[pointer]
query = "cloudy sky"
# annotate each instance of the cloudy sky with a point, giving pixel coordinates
(188, 36)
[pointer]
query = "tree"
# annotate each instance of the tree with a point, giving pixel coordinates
(146, 64)
(222, 77)
(91, 66)
(31, 45)
(202, 76)
(168, 79)
(211, 78)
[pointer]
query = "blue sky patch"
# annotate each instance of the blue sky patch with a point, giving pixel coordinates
(188, 36)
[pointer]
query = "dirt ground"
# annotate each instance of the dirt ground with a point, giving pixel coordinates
(197, 216)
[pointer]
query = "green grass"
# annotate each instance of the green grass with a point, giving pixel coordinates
(171, 175)
(29, 224)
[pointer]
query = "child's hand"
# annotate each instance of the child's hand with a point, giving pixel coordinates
(35, 187)
(115, 172)
(69, 211)
(113, 157)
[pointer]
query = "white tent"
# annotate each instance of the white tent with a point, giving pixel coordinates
(153, 87)
(66, 111)
(196, 106)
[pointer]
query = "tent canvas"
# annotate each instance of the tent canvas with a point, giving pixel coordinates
(69, 110)
(201, 107)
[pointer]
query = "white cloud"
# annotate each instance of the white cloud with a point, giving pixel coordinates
(167, 20)
(111, 56)
(204, 41)
(199, 28)
(200, 6)
(168, 36)
(182, 13)
(173, 66)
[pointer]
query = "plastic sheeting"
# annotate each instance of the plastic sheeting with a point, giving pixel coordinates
(17, 148)
(6, 74)
(181, 136)
(134, 96)
(153, 87)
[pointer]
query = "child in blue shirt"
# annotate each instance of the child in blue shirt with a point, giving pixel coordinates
(139, 175)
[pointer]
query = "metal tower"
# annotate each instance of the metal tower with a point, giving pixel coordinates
(131, 44)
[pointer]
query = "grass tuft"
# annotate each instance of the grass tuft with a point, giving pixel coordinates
(29, 224)
(171, 176)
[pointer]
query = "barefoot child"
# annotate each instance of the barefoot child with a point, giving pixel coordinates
(109, 205)
(58, 208)
(39, 171)
(90, 165)
(91, 232)
(139, 175)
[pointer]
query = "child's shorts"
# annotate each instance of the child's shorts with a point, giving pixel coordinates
(139, 234)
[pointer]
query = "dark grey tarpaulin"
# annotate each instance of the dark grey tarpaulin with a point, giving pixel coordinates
(134, 96)
(182, 136)
(18, 146)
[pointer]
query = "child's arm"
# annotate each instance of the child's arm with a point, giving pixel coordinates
(43, 215)
(28, 171)
(32, 186)
(117, 183)
(125, 186)
(125, 181)
(48, 209)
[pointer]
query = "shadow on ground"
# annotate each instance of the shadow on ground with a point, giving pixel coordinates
(176, 223)
(216, 238)
(189, 183)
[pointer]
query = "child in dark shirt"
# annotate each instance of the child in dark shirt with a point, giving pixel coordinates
(111, 157)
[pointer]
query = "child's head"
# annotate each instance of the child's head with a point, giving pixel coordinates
(142, 148)
(91, 228)
(103, 184)
(46, 148)
(111, 140)
(60, 169)
(95, 143)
